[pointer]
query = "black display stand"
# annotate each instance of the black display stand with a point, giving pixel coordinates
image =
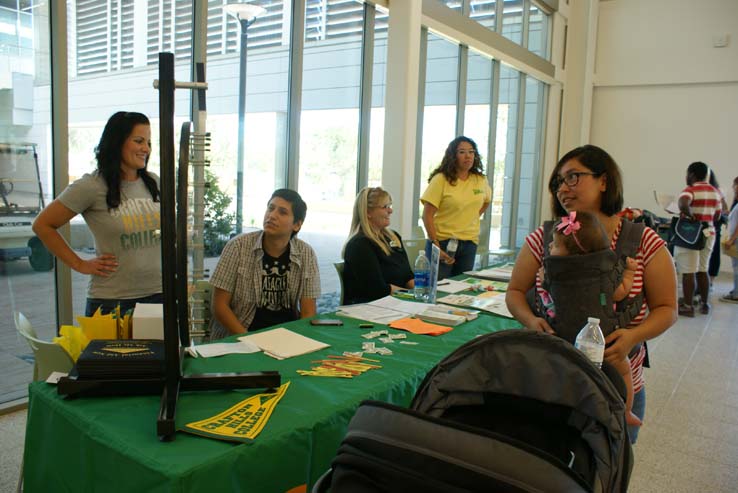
(174, 281)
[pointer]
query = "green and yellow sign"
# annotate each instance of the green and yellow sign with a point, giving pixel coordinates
(242, 422)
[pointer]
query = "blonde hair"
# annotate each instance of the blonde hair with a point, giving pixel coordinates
(368, 198)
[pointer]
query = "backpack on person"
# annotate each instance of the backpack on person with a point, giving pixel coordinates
(582, 286)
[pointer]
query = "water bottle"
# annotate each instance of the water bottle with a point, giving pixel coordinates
(591, 342)
(422, 277)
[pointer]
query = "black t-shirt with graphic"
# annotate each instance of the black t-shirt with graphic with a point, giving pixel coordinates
(274, 306)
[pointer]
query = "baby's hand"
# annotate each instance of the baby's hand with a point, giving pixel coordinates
(631, 264)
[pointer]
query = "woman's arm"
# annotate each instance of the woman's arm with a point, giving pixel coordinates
(659, 286)
(524, 278)
(484, 208)
(224, 314)
(46, 226)
(429, 212)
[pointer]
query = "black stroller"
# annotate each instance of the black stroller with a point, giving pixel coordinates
(512, 411)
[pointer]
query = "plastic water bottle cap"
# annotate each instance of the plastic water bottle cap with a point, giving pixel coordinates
(593, 320)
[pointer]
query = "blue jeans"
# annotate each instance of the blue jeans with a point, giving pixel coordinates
(734, 261)
(109, 305)
(639, 409)
(465, 255)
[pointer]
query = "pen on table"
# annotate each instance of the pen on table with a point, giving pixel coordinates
(366, 326)
(443, 283)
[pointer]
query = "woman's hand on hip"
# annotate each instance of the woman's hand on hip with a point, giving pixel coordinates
(102, 266)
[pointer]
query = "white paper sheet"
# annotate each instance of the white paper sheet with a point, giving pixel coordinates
(451, 286)
(223, 348)
(488, 303)
(400, 305)
(502, 273)
(281, 343)
(371, 313)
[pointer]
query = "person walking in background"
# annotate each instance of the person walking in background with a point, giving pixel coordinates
(700, 201)
(376, 263)
(713, 268)
(731, 239)
(588, 179)
(456, 197)
(120, 204)
(268, 277)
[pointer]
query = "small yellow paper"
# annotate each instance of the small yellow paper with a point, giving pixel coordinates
(99, 326)
(242, 422)
(72, 339)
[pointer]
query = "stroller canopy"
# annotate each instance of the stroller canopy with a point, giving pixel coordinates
(539, 389)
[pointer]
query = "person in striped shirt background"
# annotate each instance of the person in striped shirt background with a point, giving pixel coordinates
(700, 201)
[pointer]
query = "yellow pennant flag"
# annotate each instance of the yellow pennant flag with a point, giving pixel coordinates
(242, 422)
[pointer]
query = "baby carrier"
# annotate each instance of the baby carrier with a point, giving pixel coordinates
(511, 411)
(583, 285)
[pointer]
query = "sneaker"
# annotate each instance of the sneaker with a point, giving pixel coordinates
(686, 310)
(705, 309)
(729, 298)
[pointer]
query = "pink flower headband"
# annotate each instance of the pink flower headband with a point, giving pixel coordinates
(570, 226)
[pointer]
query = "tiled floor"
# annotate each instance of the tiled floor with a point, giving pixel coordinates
(689, 442)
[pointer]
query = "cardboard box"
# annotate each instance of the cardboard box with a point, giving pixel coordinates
(148, 321)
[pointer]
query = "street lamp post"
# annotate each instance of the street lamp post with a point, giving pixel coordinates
(245, 14)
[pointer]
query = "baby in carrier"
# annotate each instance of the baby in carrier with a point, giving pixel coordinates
(581, 233)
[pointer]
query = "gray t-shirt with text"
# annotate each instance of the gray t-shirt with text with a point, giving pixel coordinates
(130, 232)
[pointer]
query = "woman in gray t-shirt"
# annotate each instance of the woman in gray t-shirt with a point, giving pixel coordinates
(120, 204)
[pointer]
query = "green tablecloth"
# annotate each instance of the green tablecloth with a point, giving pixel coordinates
(110, 444)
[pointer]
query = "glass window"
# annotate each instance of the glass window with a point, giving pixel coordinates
(477, 110)
(453, 4)
(265, 124)
(507, 123)
(484, 12)
(538, 32)
(530, 159)
(512, 20)
(379, 80)
(439, 113)
(113, 51)
(478, 100)
(26, 180)
(329, 127)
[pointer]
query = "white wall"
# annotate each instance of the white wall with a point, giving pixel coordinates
(663, 95)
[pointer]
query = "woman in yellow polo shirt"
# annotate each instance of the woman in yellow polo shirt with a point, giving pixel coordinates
(457, 195)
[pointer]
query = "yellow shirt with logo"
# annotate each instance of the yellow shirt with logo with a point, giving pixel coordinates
(458, 205)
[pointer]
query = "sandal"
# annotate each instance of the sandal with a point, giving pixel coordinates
(686, 310)
(729, 298)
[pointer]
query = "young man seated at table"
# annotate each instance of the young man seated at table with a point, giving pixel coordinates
(268, 277)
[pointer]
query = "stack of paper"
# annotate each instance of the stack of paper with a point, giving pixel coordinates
(489, 302)
(501, 273)
(417, 326)
(281, 343)
(223, 348)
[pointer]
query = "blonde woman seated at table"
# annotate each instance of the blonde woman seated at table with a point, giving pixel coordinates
(375, 260)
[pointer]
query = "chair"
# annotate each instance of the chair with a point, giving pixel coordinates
(339, 269)
(49, 357)
(418, 232)
(412, 247)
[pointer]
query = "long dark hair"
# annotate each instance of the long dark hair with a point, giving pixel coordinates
(448, 165)
(108, 150)
(598, 161)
